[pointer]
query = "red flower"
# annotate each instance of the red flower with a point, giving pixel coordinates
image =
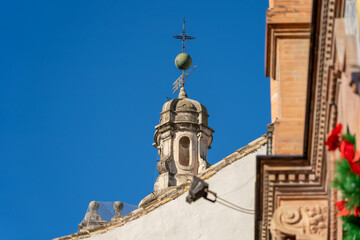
(340, 205)
(356, 211)
(343, 212)
(333, 140)
(354, 163)
(356, 157)
(355, 168)
(347, 150)
(337, 129)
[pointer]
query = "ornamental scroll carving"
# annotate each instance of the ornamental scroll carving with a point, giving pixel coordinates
(299, 222)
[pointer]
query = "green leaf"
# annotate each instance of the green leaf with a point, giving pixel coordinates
(349, 184)
(350, 138)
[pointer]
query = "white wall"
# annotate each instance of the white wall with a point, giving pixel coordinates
(201, 220)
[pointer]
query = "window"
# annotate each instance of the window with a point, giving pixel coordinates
(184, 151)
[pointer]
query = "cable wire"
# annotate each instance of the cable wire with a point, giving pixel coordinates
(236, 209)
(228, 204)
(236, 206)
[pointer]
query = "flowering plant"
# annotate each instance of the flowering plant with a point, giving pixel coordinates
(347, 180)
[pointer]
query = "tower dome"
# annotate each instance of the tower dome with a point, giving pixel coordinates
(182, 139)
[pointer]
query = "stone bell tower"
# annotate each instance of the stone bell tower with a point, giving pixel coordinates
(183, 135)
(182, 139)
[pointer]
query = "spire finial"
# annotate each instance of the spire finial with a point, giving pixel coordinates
(182, 93)
(183, 61)
(183, 37)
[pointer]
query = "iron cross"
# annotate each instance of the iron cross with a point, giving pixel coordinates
(183, 36)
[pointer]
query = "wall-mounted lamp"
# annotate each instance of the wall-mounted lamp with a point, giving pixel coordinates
(199, 188)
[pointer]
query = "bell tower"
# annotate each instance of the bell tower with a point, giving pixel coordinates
(182, 139)
(183, 135)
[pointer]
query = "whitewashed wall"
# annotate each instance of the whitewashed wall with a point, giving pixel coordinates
(201, 220)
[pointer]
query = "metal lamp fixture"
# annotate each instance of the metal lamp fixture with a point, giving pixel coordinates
(199, 188)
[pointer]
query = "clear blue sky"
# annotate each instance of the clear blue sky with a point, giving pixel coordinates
(82, 84)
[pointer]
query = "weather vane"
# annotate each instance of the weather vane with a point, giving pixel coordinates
(183, 61)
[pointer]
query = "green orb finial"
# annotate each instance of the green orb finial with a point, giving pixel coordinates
(183, 61)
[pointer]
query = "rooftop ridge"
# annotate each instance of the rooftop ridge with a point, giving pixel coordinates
(171, 194)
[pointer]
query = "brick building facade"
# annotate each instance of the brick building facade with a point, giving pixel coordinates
(312, 60)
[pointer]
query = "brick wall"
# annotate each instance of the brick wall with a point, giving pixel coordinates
(289, 107)
(288, 24)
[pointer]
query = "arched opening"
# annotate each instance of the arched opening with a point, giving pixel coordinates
(184, 151)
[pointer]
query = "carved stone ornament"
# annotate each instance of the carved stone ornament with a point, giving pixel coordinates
(91, 219)
(118, 206)
(299, 222)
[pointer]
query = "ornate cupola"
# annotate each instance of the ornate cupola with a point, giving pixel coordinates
(183, 135)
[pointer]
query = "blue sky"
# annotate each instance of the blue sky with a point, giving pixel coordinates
(82, 84)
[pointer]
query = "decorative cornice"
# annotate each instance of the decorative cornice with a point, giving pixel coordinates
(276, 31)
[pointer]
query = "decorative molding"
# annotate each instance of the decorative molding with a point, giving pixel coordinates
(279, 177)
(276, 31)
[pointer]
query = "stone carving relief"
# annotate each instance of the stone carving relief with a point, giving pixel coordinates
(299, 222)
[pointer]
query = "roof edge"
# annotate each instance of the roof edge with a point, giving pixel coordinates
(171, 194)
